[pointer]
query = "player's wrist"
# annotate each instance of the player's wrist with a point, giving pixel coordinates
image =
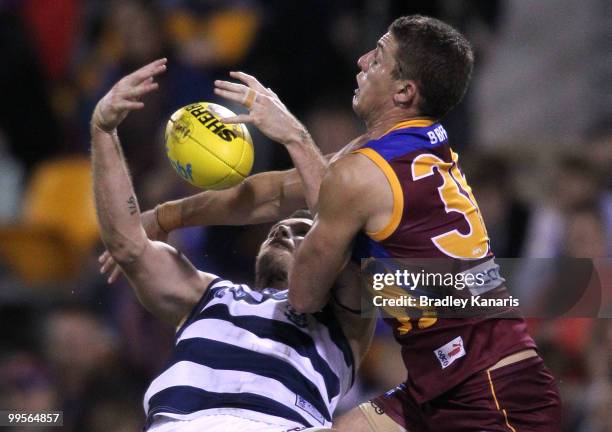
(97, 127)
(98, 124)
(169, 216)
(300, 138)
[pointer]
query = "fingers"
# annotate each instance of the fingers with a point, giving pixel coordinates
(249, 80)
(231, 91)
(127, 105)
(128, 89)
(240, 118)
(125, 95)
(148, 71)
(104, 256)
(271, 93)
(109, 264)
(147, 86)
(230, 95)
(239, 93)
(230, 86)
(114, 275)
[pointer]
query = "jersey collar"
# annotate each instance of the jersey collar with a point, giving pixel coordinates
(416, 122)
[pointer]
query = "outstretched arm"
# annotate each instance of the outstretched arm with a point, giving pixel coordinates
(164, 280)
(263, 197)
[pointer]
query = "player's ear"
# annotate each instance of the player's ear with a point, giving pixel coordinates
(405, 93)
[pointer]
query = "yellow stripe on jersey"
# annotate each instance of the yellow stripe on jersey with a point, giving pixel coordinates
(422, 122)
(398, 195)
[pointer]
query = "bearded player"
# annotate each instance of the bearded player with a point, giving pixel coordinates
(399, 192)
(243, 358)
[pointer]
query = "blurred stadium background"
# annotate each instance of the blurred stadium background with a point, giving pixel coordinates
(534, 133)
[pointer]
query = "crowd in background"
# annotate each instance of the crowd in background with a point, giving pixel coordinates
(72, 342)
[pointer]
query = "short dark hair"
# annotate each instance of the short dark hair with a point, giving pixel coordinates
(437, 57)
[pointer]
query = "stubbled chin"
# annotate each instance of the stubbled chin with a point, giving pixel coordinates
(273, 265)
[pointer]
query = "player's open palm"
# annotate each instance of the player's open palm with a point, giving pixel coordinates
(125, 96)
(266, 111)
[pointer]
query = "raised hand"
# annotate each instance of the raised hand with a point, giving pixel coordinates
(266, 111)
(125, 96)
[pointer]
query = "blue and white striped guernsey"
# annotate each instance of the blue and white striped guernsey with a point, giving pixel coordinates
(246, 353)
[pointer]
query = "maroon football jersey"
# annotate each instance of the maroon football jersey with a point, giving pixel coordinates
(435, 215)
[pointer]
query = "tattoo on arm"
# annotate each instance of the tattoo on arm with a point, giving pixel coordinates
(132, 205)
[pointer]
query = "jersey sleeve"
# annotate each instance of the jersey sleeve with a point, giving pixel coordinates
(209, 293)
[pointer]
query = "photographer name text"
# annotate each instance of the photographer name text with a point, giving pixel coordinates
(448, 301)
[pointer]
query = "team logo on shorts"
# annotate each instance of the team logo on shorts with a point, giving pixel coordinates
(450, 352)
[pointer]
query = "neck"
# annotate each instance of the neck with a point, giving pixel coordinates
(379, 125)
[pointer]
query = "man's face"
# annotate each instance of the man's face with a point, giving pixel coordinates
(277, 252)
(375, 83)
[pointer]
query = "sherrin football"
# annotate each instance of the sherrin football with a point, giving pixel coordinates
(206, 152)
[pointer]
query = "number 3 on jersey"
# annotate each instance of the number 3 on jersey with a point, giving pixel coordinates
(474, 244)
